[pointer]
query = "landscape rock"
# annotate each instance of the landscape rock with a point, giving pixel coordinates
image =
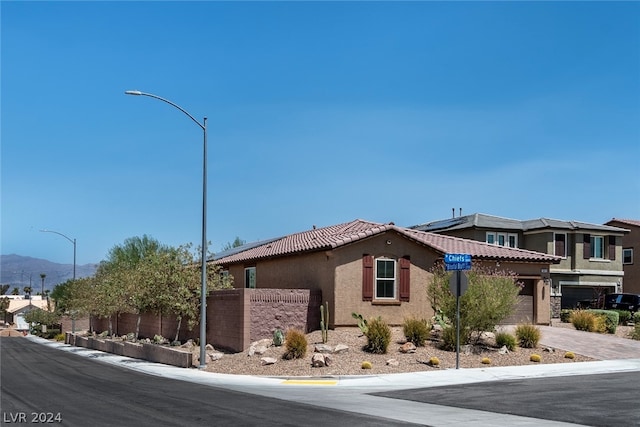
(503, 350)
(408, 347)
(320, 360)
(268, 360)
(216, 355)
(323, 348)
(341, 348)
(393, 362)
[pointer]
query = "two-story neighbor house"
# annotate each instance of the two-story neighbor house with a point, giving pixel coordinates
(630, 246)
(378, 269)
(591, 254)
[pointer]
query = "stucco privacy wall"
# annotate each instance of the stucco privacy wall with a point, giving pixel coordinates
(235, 317)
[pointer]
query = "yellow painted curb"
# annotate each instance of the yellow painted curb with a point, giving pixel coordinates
(310, 382)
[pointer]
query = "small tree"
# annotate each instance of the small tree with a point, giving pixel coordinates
(491, 297)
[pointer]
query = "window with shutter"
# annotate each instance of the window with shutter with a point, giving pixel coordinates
(560, 244)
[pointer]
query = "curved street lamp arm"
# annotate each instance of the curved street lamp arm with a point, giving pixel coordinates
(60, 234)
(138, 93)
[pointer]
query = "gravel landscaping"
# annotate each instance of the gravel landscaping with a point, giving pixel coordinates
(350, 361)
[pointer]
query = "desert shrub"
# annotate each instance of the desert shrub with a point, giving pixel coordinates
(583, 320)
(491, 297)
(296, 344)
(535, 358)
(416, 330)
(486, 361)
(366, 365)
(624, 316)
(505, 339)
(636, 317)
(60, 337)
(611, 319)
(528, 335)
(565, 315)
(569, 355)
(378, 336)
(635, 333)
(449, 337)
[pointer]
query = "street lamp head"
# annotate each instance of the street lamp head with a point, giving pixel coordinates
(133, 92)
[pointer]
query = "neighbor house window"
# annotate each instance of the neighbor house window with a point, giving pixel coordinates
(560, 244)
(627, 256)
(385, 278)
(597, 247)
(250, 277)
(502, 239)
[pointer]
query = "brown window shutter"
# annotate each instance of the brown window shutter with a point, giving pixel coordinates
(612, 248)
(586, 247)
(405, 279)
(560, 245)
(367, 278)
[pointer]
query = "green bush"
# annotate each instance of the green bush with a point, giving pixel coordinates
(636, 317)
(449, 337)
(611, 319)
(295, 344)
(583, 320)
(565, 315)
(528, 335)
(378, 336)
(635, 333)
(505, 339)
(60, 337)
(416, 331)
(624, 316)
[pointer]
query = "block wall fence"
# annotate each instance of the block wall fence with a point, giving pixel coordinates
(235, 318)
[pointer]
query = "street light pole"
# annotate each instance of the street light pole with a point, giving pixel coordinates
(73, 316)
(73, 241)
(203, 290)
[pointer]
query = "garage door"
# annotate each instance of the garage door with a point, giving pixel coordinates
(524, 307)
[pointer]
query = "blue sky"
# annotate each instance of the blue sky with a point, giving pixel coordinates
(318, 113)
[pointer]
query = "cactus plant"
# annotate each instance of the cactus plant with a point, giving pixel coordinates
(278, 337)
(366, 365)
(486, 361)
(362, 322)
(535, 358)
(434, 361)
(324, 321)
(569, 355)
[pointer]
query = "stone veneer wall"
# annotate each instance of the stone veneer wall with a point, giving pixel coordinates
(284, 309)
(555, 306)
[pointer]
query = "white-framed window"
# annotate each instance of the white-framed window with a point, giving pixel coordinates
(560, 244)
(385, 276)
(597, 247)
(250, 277)
(627, 256)
(491, 238)
(502, 239)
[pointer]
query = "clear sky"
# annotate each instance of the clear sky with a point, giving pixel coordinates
(318, 113)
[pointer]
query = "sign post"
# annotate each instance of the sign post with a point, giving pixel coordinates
(457, 263)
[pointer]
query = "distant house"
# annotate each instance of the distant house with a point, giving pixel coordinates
(630, 248)
(378, 269)
(591, 254)
(19, 307)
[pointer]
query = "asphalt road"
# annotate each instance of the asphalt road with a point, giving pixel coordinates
(45, 385)
(593, 400)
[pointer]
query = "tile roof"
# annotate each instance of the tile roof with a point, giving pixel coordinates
(626, 221)
(334, 236)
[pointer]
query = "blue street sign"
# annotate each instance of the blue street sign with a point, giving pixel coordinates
(453, 262)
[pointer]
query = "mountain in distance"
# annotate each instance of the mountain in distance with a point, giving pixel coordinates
(19, 271)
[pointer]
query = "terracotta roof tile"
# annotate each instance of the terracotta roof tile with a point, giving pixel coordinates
(334, 236)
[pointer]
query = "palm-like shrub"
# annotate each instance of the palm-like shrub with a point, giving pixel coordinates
(416, 331)
(378, 336)
(295, 344)
(528, 335)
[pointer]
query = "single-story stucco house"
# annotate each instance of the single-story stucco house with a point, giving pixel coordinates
(379, 269)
